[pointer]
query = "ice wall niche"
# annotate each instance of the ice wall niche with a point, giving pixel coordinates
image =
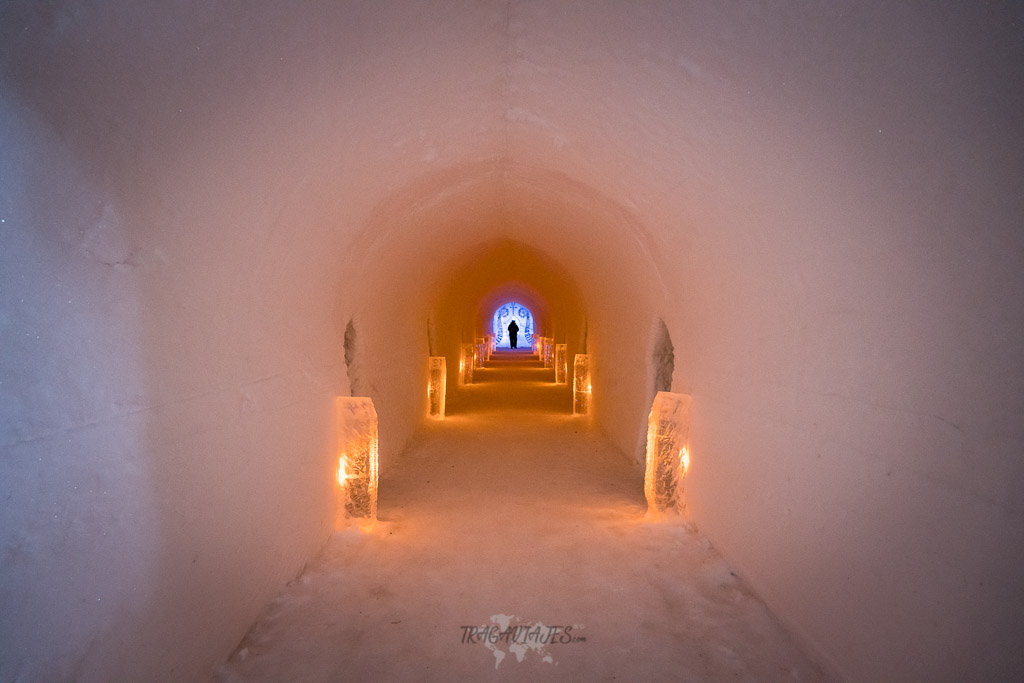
(357, 459)
(668, 458)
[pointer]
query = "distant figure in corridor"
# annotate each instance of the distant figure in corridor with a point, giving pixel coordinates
(513, 332)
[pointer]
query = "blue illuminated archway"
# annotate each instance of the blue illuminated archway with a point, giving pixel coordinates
(505, 314)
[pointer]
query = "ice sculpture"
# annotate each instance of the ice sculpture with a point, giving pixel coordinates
(668, 458)
(489, 341)
(436, 384)
(581, 384)
(357, 458)
(561, 363)
(479, 352)
(466, 361)
(549, 352)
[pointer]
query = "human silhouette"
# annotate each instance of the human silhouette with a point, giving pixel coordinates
(513, 332)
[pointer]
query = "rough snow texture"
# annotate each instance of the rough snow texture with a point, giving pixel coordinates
(821, 201)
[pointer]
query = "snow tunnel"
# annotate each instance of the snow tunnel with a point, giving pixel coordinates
(215, 220)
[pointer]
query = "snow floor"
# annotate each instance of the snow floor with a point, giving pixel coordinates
(513, 514)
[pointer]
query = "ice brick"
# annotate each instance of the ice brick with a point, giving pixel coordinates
(668, 428)
(357, 456)
(581, 384)
(436, 383)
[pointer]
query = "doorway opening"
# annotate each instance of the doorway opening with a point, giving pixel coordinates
(504, 316)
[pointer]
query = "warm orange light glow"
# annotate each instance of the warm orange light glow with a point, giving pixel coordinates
(684, 460)
(342, 470)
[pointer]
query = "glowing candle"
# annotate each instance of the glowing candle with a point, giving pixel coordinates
(668, 456)
(581, 393)
(561, 363)
(436, 383)
(357, 459)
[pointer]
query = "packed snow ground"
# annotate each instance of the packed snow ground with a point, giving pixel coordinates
(512, 545)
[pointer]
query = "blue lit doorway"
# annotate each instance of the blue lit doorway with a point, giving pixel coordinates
(505, 314)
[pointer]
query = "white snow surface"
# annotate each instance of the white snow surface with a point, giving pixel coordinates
(507, 515)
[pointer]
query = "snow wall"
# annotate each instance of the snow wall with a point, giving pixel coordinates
(216, 217)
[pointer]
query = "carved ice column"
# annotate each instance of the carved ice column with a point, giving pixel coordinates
(436, 385)
(561, 363)
(581, 384)
(357, 458)
(466, 359)
(668, 458)
(479, 352)
(549, 352)
(489, 340)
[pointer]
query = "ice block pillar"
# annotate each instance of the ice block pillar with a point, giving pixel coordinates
(436, 383)
(668, 457)
(489, 341)
(479, 351)
(561, 363)
(549, 352)
(466, 360)
(357, 458)
(581, 384)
